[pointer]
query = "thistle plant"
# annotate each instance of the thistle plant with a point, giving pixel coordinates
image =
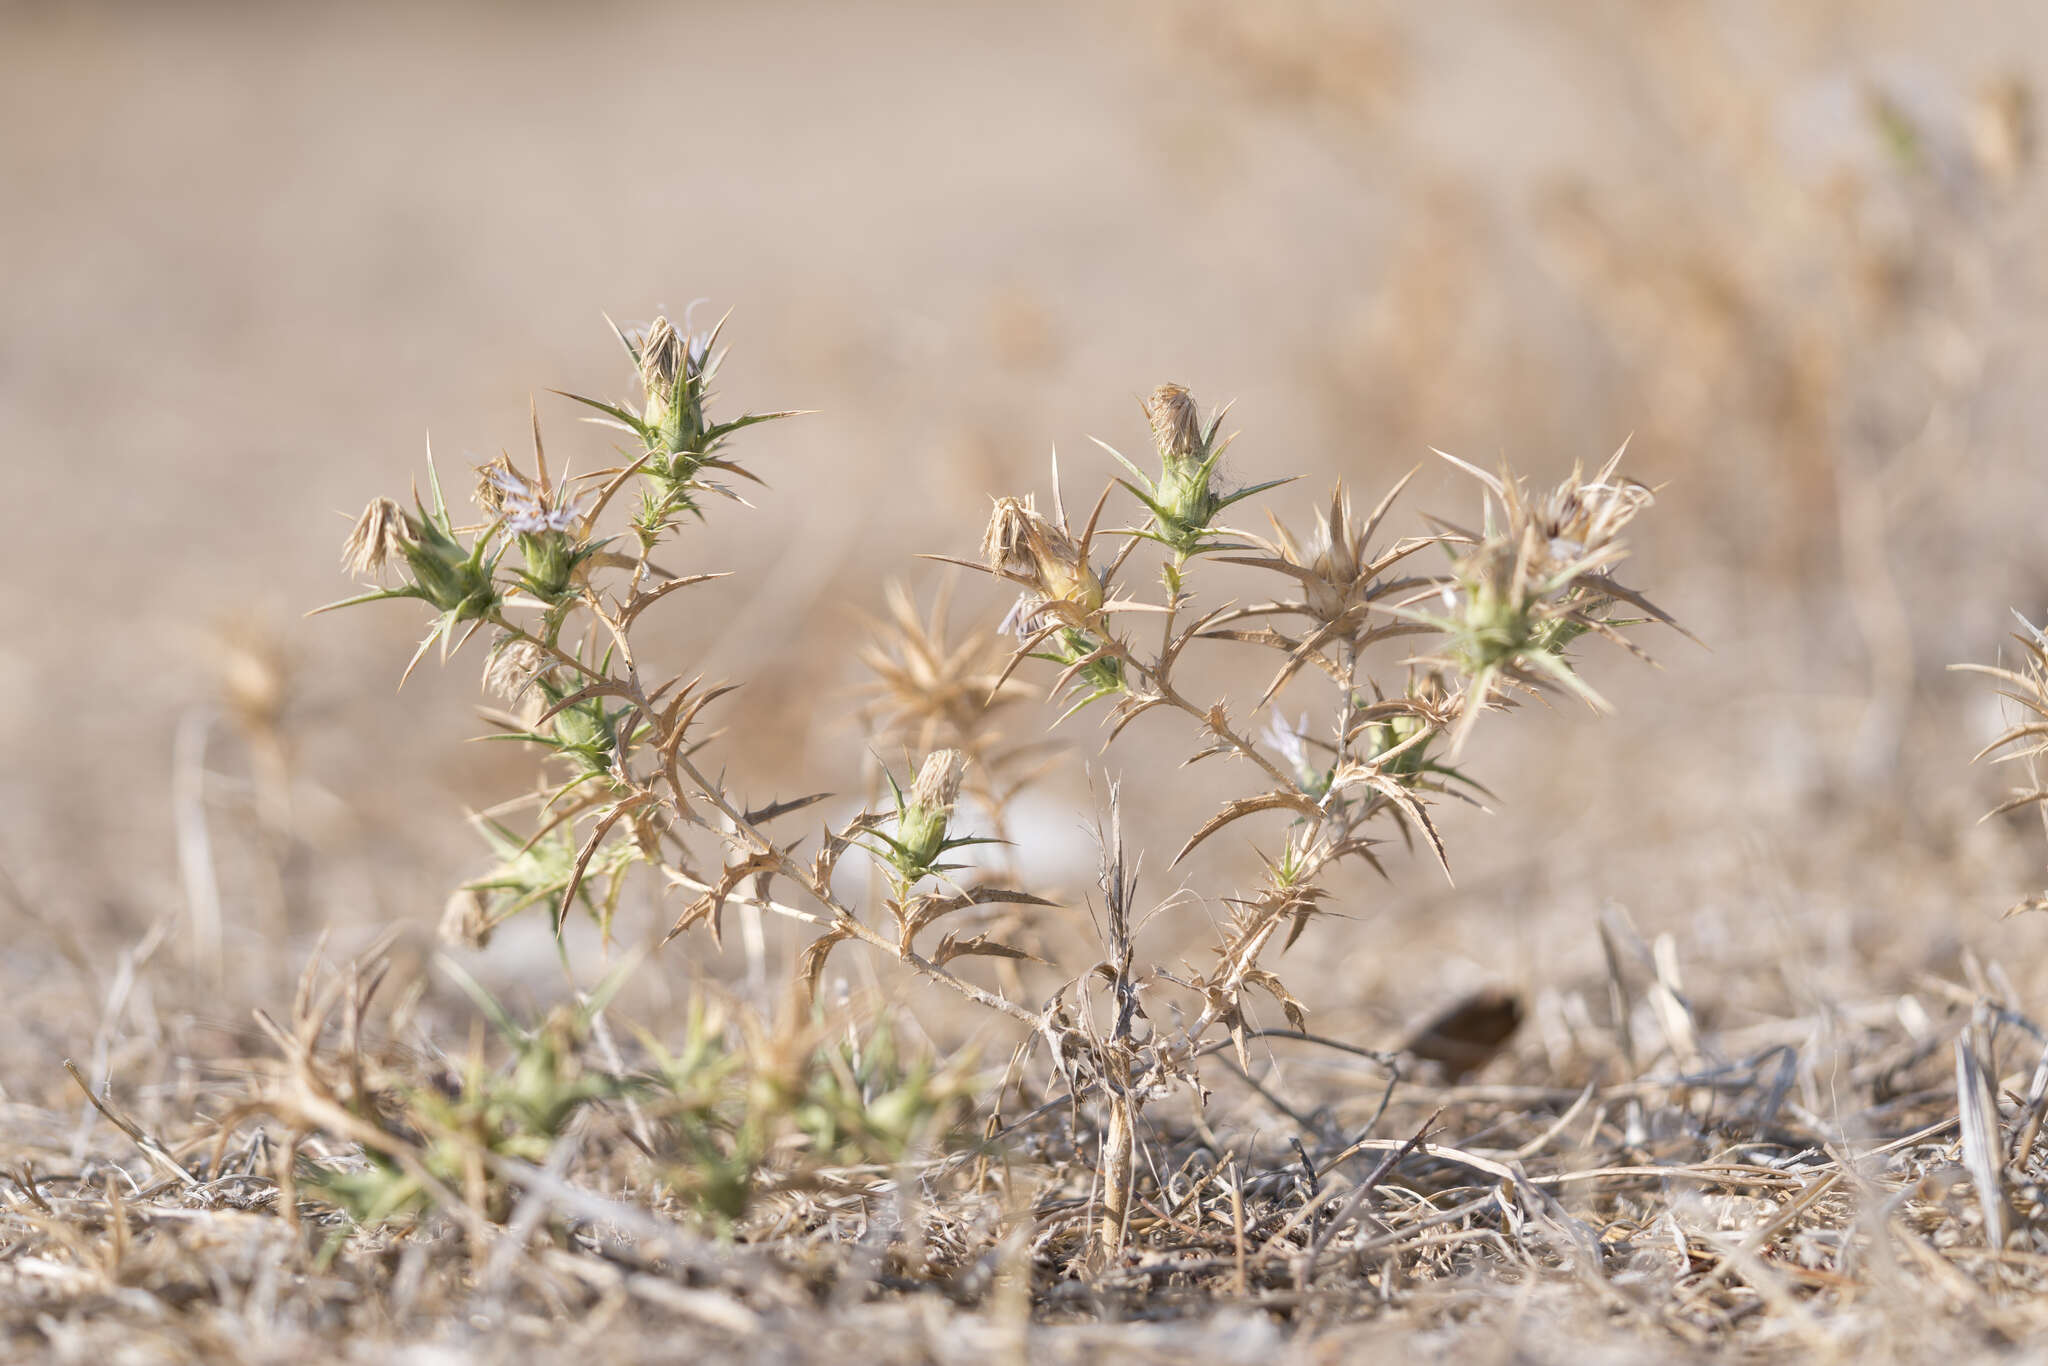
(2025, 738)
(1501, 621)
(1408, 658)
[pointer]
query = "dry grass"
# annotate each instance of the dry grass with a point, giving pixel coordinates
(1797, 1187)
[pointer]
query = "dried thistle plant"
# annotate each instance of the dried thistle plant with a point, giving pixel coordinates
(622, 786)
(2025, 740)
(1504, 619)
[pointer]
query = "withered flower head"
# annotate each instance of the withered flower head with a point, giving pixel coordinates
(932, 685)
(1023, 545)
(1581, 517)
(1337, 567)
(491, 483)
(661, 357)
(938, 782)
(1176, 426)
(513, 667)
(381, 532)
(466, 919)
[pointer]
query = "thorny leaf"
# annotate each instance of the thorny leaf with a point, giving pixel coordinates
(1297, 1015)
(1248, 806)
(811, 966)
(710, 907)
(926, 909)
(583, 856)
(1399, 797)
(826, 862)
(952, 947)
(774, 809)
(641, 602)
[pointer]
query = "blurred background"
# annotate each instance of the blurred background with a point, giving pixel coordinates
(251, 259)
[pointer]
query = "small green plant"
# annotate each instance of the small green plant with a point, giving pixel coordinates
(744, 1110)
(731, 1112)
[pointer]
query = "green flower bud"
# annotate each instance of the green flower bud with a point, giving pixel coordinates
(921, 824)
(1186, 502)
(455, 578)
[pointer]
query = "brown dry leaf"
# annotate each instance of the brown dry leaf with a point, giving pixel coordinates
(922, 911)
(710, 906)
(826, 861)
(952, 946)
(1246, 806)
(812, 965)
(1297, 1014)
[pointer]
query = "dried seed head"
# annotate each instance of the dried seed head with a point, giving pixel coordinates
(513, 667)
(938, 782)
(1335, 567)
(1335, 559)
(466, 919)
(1005, 546)
(1023, 545)
(932, 686)
(1580, 519)
(381, 532)
(661, 357)
(491, 483)
(1176, 426)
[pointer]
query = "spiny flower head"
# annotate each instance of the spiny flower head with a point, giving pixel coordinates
(921, 828)
(1176, 425)
(549, 524)
(528, 508)
(1581, 518)
(454, 577)
(1561, 539)
(1183, 500)
(1533, 582)
(930, 685)
(922, 818)
(679, 441)
(673, 369)
(1339, 577)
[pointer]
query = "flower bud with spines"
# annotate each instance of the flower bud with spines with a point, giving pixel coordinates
(459, 581)
(1184, 500)
(679, 441)
(923, 820)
